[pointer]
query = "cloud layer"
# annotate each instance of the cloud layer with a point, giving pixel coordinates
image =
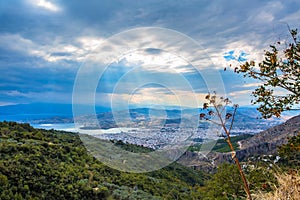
(44, 42)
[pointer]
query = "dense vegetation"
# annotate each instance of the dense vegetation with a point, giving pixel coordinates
(290, 152)
(40, 164)
(268, 179)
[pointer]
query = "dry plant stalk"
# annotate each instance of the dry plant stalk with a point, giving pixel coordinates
(288, 188)
(216, 106)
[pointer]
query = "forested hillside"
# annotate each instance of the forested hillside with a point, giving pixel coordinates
(50, 164)
(41, 164)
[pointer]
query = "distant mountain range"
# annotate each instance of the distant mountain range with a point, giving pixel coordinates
(52, 112)
(246, 120)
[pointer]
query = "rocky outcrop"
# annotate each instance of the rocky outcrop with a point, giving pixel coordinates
(263, 143)
(273, 137)
(267, 142)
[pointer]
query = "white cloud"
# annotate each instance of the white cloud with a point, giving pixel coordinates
(15, 93)
(153, 49)
(251, 85)
(239, 93)
(160, 62)
(46, 4)
(293, 18)
(57, 50)
(3, 103)
(158, 97)
(78, 50)
(266, 14)
(264, 17)
(89, 43)
(241, 97)
(16, 42)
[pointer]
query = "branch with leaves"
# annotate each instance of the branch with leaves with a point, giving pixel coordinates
(277, 70)
(216, 107)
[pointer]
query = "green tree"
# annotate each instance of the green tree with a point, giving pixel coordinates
(290, 152)
(225, 184)
(280, 69)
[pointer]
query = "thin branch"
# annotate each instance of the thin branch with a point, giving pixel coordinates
(213, 122)
(219, 114)
(294, 39)
(232, 120)
(222, 123)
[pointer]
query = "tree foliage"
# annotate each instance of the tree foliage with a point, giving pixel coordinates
(225, 184)
(279, 69)
(290, 152)
(50, 164)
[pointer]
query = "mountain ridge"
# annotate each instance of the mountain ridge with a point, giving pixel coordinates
(263, 143)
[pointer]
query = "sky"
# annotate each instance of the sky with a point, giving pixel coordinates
(165, 53)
